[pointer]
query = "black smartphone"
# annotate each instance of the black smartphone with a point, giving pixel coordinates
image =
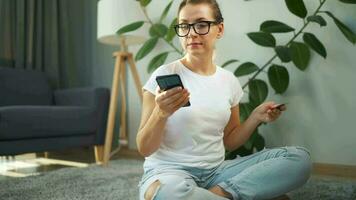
(167, 82)
(279, 106)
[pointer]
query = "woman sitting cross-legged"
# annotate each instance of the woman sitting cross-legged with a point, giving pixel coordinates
(185, 146)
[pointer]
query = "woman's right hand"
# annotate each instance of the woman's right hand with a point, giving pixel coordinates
(171, 100)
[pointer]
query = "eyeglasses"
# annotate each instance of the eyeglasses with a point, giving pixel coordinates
(200, 28)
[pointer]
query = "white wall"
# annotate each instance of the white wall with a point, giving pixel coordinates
(321, 107)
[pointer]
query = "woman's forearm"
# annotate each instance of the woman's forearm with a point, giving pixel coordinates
(242, 133)
(149, 138)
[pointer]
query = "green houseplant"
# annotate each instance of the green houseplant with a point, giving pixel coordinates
(297, 50)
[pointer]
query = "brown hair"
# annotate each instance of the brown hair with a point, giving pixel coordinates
(212, 3)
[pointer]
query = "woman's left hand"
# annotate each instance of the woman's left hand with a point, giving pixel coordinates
(267, 113)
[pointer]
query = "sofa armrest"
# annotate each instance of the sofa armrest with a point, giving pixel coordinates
(97, 98)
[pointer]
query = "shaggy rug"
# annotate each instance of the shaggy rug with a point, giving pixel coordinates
(120, 179)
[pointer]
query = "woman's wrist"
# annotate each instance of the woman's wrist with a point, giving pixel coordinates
(161, 114)
(255, 118)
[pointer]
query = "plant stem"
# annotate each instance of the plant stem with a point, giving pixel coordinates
(259, 71)
(290, 41)
(146, 15)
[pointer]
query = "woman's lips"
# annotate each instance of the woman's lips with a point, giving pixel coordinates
(194, 44)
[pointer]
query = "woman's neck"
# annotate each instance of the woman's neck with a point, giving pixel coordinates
(202, 65)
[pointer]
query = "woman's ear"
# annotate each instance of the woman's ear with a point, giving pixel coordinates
(220, 30)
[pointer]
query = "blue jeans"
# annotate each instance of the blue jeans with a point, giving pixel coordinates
(262, 175)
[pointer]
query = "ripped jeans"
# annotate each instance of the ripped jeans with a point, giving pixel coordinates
(263, 175)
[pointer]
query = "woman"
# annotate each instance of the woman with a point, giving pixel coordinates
(184, 146)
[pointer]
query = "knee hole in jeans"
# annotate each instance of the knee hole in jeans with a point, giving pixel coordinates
(152, 190)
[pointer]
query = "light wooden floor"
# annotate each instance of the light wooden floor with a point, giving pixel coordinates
(34, 164)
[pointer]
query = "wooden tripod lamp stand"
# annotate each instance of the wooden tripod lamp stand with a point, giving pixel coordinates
(119, 78)
(113, 14)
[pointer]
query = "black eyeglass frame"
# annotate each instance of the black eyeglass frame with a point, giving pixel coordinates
(193, 25)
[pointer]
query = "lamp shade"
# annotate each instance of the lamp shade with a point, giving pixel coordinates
(114, 14)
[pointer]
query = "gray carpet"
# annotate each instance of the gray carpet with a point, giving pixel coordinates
(120, 179)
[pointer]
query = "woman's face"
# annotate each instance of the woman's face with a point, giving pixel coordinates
(193, 43)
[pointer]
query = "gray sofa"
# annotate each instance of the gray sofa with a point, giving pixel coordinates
(34, 118)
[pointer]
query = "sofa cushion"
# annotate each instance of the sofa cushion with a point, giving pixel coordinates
(24, 87)
(21, 122)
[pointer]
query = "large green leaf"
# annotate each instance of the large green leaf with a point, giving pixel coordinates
(317, 19)
(314, 43)
(245, 69)
(251, 140)
(262, 38)
(130, 27)
(171, 33)
(271, 26)
(348, 1)
(259, 142)
(258, 91)
(283, 53)
(241, 151)
(348, 33)
(144, 3)
(297, 7)
(157, 61)
(165, 11)
(146, 48)
(229, 62)
(158, 30)
(300, 55)
(245, 111)
(278, 77)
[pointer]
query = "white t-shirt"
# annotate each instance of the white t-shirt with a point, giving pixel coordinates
(194, 135)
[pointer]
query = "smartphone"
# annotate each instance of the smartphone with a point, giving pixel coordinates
(167, 82)
(279, 106)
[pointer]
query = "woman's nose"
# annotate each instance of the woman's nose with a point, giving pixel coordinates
(192, 33)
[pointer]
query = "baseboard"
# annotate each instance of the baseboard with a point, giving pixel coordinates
(125, 152)
(346, 171)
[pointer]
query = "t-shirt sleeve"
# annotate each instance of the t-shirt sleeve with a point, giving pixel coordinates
(237, 92)
(151, 84)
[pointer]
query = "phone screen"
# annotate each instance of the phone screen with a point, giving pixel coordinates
(279, 106)
(167, 82)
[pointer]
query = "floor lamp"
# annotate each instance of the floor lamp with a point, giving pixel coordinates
(113, 14)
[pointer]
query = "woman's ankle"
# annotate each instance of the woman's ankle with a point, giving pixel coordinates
(220, 192)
